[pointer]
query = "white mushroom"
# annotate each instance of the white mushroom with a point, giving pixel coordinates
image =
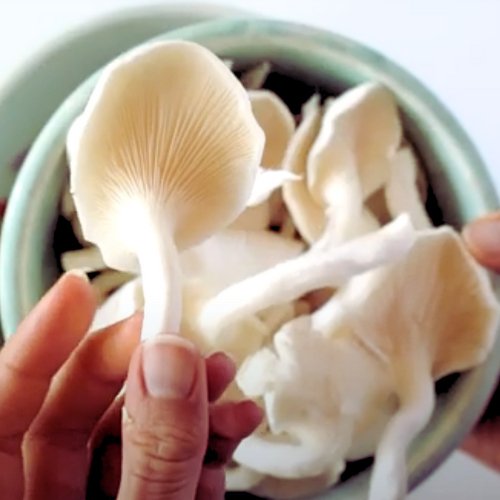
(309, 271)
(276, 316)
(218, 263)
(121, 304)
(431, 314)
(364, 133)
(86, 259)
(268, 181)
(67, 204)
(308, 215)
(167, 129)
(255, 77)
(108, 281)
(402, 326)
(401, 191)
(239, 478)
(256, 218)
(232, 256)
(276, 121)
(313, 396)
(334, 173)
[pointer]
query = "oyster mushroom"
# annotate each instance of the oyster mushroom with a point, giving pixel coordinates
(334, 172)
(67, 204)
(402, 192)
(86, 259)
(312, 396)
(403, 326)
(307, 214)
(268, 181)
(276, 121)
(167, 129)
(316, 268)
(121, 304)
(220, 262)
(108, 281)
(239, 478)
(254, 78)
(265, 201)
(431, 314)
(364, 132)
(255, 218)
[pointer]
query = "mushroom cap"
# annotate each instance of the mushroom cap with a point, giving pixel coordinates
(239, 478)
(167, 133)
(308, 215)
(121, 304)
(436, 303)
(313, 397)
(87, 259)
(402, 191)
(276, 121)
(360, 132)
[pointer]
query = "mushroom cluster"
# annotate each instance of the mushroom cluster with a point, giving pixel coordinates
(300, 245)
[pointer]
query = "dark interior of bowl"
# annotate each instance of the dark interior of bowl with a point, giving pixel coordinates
(295, 89)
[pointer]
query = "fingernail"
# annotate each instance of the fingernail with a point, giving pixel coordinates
(79, 274)
(170, 365)
(483, 235)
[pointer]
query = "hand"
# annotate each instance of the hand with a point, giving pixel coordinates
(483, 240)
(58, 388)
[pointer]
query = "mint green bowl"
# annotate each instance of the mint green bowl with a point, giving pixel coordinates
(31, 94)
(457, 176)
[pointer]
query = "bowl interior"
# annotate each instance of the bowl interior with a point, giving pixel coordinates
(314, 60)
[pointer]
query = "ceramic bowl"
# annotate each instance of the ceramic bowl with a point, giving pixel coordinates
(30, 96)
(332, 63)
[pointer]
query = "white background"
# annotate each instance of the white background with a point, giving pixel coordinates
(451, 45)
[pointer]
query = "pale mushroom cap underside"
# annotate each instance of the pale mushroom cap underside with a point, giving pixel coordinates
(437, 301)
(169, 129)
(278, 124)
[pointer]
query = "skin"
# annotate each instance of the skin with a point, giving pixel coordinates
(483, 240)
(62, 435)
(65, 434)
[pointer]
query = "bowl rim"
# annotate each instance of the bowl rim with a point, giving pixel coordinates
(318, 46)
(205, 12)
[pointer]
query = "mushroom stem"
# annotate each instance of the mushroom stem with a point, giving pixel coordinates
(417, 398)
(161, 281)
(314, 269)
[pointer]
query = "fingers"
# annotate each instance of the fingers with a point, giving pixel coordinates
(220, 373)
(482, 236)
(229, 424)
(106, 454)
(55, 447)
(212, 484)
(235, 420)
(105, 472)
(165, 425)
(28, 362)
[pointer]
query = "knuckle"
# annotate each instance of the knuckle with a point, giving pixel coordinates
(162, 453)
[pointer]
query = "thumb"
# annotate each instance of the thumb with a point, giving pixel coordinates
(165, 424)
(482, 236)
